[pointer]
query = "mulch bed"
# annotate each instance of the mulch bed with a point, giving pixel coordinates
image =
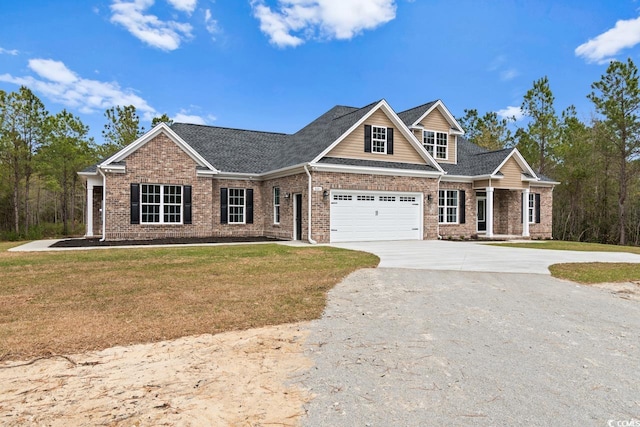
(87, 243)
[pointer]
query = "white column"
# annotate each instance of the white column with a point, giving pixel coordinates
(489, 212)
(525, 212)
(89, 210)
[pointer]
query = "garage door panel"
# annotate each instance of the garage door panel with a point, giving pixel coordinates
(375, 216)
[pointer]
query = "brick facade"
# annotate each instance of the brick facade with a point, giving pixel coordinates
(161, 161)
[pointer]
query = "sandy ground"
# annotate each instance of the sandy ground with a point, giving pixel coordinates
(245, 378)
(627, 290)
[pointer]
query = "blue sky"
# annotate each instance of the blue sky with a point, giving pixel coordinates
(275, 65)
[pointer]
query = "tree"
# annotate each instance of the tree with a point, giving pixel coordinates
(488, 131)
(538, 141)
(65, 151)
(122, 128)
(23, 117)
(161, 119)
(616, 97)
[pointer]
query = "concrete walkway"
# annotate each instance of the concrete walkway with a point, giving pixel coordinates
(476, 256)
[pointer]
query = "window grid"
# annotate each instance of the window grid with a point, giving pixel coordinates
(276, 205)
(448, 206)
(435, 143)
(160, 204)
(366, 198)
(532, 208)
(342, 197)
(236, 205)
(387, 198)
(378, 139)
(407, 199)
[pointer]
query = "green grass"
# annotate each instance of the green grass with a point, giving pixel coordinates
(72, 301)
(560, 245)
(597, 272)
(588, 273)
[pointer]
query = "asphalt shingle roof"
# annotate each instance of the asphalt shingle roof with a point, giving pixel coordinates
(474, 160)
(409, 117)
(377, 164)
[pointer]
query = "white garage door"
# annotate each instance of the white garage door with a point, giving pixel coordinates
(370, 216)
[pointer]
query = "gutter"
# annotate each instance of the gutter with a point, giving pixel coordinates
(313, 242)
(104, 205)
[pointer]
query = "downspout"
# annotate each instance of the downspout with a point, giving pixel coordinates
(435, 200)
(103, 214)
(313, 242)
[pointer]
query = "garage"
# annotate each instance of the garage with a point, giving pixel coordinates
(370, 216)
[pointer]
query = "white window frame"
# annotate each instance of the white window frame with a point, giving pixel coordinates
(445, 209)
(233, 194)
(162, 204)
(276, 205)
(432, 145)
(531, 211)
(377, 140)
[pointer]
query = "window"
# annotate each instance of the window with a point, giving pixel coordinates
(236, 205)
(532, 208)
(161, 204)
(435, 143)
(342, 197)
(448, 206)
(407, 199)
(276, 205)
(366, 198)
(378, 139)
(387, 198)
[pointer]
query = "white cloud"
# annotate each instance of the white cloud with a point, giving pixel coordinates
(184, 5)
(58, 83)
(509, 74)
(299, 20)
(601, 49)
(8, 51)
(184, 117)
(149, 28)
(511, 111)
(211, 24)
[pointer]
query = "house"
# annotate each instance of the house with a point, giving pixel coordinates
(353, 174)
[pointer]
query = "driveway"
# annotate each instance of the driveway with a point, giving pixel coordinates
(419, 346)
(476, 256)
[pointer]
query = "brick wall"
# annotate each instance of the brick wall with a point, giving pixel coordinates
(544, 229)
(288, 185)
(345, 181)
(160, 161)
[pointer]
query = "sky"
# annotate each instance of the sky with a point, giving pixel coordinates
(276, 65)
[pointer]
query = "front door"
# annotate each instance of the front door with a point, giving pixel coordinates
(482, 213)
(297, 217)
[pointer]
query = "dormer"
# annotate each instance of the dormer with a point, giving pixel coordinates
(435, 127)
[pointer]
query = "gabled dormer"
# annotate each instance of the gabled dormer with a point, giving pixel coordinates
(435, 127)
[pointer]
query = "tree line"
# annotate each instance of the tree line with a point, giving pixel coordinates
(596, 163)
(41, 194)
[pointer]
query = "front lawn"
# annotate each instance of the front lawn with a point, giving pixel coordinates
(594, 272)
(66, 302)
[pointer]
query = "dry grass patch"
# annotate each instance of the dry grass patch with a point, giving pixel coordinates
(67, 302)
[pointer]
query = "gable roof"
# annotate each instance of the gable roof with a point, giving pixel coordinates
(414, 116)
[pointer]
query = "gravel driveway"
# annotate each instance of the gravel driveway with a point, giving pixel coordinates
(412, 347)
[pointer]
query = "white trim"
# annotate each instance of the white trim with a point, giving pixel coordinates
(326, 167)
(521, 162)
(525, 212)
(399, 124)
(89, 209)
(435, 143)
(276, 214)
(162, 204)
(469, 178)
(104, 206)
(489, 207)
(457, 206)
(445, 112)
(384, 142)
(155, 131)
(244, 206)
(309, 198)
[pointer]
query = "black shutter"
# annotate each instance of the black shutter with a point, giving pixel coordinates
(249, 219)
(135, 203)
(389, 140)
(367, 138)
(537, 208)
(224, 206)
(462, 202)
(186, 197)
